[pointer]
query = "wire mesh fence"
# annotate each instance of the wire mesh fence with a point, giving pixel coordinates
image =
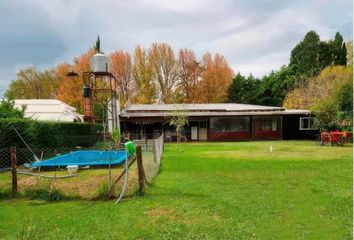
(100, 182)
(153, 155)
(26, 155)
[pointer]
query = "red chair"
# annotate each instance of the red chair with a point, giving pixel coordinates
(337, 137)
(325, 137)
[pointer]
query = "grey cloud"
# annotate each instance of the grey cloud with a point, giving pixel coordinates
(254, 35)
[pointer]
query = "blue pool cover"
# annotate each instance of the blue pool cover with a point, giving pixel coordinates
(83, 158)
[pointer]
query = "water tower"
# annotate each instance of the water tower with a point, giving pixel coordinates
(100, 94)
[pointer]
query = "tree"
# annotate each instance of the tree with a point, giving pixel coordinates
(296, 99)
(165, 70)
(326, 54)
(190, 76)
(143, 76)
(343, 97)
(235, 91)
(306, 54)
(97, 46)
(339, 50)
(308, 58)
(336, 111)
(7, 109)
(244, 90)
(31, 83)
(274, 87)
(71, 87)
(312, 55)
(329, 95)
(216, 78)
(178, 118)
(121, 68)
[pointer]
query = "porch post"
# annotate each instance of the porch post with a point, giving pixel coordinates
(251, 128)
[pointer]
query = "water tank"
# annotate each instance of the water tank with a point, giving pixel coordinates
(99, 63)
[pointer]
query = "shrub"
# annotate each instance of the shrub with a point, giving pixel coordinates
(52, 137)
(41, 134)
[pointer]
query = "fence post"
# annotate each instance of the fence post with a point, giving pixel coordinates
(141, 172)
(14, 170)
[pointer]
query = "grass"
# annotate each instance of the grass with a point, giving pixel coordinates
(211, 191)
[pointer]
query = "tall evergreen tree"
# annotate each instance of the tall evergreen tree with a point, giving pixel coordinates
(276, 85)
(244, 90)
(97, 46)
(339, 50)
(306, 54)
(326, 54)
(235, 92)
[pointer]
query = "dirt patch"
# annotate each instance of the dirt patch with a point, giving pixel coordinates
(216, 217)
(84, 186)
(160, 212)
(169, 214)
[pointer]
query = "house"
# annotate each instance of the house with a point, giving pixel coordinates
(218, 122)
(48, 110)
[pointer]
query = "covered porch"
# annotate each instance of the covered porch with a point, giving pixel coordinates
(225, 128)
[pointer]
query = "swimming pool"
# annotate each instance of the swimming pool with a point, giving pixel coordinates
(83, 158)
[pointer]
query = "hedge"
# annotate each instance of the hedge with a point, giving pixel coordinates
(44, 134)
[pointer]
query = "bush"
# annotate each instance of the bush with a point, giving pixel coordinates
(41, 134)
(336, 111)
(51, 137)
(7, 110)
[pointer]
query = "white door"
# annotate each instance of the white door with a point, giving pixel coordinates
(194, 133)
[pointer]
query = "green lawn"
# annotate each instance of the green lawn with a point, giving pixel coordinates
(211, 191)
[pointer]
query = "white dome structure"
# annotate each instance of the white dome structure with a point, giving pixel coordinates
(48, 110)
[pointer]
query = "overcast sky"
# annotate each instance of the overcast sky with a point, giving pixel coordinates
(255, 36)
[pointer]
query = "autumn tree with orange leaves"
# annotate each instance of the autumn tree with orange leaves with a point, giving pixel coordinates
(71, 87)
(190, 76)
(216, 78)
(151, 75)
(165, 68)
(121, 68)
(145, 87)
(68, 90)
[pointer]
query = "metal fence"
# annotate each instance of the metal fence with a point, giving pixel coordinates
(88, 183)
(25, 155)
(152, 154)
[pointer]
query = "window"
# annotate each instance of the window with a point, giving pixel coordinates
(230, 124)
(307, 123)
(269, 124)
(274, 124)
